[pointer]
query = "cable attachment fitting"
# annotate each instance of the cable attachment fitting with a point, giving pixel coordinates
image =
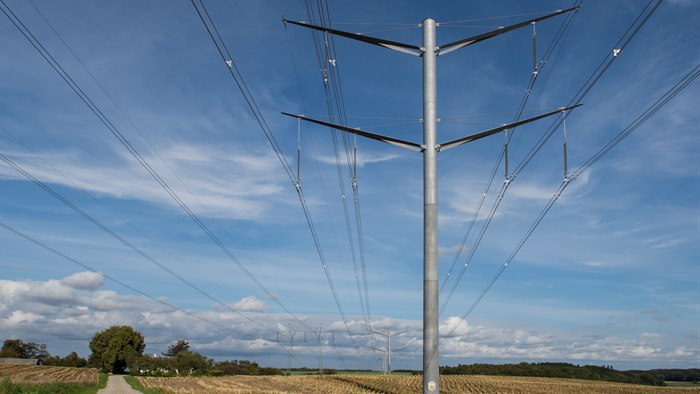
(229, 63)
(566, 159)
(535, 68)
(616, 52)
(324, 73)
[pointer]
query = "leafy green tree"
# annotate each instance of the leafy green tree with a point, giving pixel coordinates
(13, 348)
(116, 349)
(244, 367)
(192, 363)
(177, 347)
(71, 360)
(16, 348)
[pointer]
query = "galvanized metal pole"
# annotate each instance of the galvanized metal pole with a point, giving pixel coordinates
(388, 348)
(429, 53)
(431, 366)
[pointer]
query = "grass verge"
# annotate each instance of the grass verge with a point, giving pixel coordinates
(131, 380)
(7, 387)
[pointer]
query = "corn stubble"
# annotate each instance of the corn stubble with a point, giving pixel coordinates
(46, 374)
(375, 384)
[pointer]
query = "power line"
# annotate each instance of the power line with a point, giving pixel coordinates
(329, 61)
(619, 47)
(495, 17)
(639, 121)
(429, 51)
(113, 279)
(232, 68)
(298, 180)
(624, 40)
(564, 28)
(135, 127)
(97, 200)
(120, 137)
(119, 238)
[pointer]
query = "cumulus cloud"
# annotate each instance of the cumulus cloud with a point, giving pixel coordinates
(250, 303)
(75, 307)
(454, 326)
(52, 292)
(18, 317)
(84, 280)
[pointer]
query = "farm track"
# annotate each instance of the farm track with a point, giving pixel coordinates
(117, 385)
(373, 384)
(47, 374)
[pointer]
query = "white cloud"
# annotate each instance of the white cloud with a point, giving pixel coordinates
(64, 312)
(250, 303)
(532, 191)
(84, 280)
(232, 183)
(18, 317)
(684, 3)
(363, 158)
(52, 292)
(454, 326)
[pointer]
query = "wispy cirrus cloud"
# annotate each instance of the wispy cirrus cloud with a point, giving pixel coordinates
(363, 158)
(213, 181)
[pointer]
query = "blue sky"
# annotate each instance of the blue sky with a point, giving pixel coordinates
(610, 276)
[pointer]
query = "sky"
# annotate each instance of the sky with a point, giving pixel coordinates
(90, 239)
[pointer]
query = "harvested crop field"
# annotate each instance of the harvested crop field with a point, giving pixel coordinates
(44, 374)
(342, 384)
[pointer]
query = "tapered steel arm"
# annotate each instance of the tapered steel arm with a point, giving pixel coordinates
(453, 46)
(397, 46)
(389, 140)
(470, 138)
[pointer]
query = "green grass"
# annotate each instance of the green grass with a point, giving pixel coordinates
(682, 384)
(7, 387)
(131, 380)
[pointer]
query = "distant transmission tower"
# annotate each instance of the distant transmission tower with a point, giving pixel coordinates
(319, 334)
(430, 147)
(387, 352)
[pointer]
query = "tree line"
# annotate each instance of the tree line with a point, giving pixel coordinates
(120, 349)
(655, 377)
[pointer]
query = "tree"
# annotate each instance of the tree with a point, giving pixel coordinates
(16, 348)
(177, 347)
(192, 363)
(13, 348)
(71, 360)
(116, 349)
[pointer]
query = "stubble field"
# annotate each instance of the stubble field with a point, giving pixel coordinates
(36, 374)
(342, 384)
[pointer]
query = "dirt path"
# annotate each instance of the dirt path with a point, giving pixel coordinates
(117, 385)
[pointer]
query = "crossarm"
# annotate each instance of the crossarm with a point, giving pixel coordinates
(397, 46)
(453, 46)
(470, 138)
(383, 138)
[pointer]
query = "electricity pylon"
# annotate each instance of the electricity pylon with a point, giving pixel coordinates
(429, 51)
(319, 336)
(388, 349)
